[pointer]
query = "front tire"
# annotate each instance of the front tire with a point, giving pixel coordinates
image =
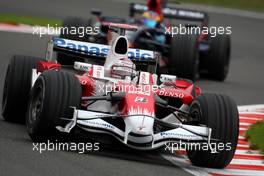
(52, 94)
(219, 112)
(17, 87)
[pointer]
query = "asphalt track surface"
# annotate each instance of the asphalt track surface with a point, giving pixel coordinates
(244, 83)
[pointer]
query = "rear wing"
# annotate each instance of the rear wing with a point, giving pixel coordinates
(169, 12)
(95, 51)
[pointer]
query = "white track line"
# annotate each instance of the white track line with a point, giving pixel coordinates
(243, 129)
(242, 145)
(248, 152)
(244, 124)
(247, 162)
(250, 118)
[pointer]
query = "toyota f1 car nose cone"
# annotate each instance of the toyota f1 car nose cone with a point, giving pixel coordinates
(140, 124)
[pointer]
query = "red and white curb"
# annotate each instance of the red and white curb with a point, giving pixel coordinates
(27, 29)
(245, 161)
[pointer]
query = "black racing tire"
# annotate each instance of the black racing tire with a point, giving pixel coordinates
(219, 112)
(17, 87)
(75, 22)
(183, 58)
(52, 94)
(217, 59)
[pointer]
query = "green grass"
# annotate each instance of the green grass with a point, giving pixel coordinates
(256, 136)
(254, 5)
(14, 19)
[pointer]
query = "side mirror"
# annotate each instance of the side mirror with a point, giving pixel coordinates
(96, 12)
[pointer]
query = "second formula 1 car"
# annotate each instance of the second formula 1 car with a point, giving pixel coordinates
(185, 55)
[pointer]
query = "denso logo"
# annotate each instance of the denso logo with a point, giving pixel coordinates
(98, 49)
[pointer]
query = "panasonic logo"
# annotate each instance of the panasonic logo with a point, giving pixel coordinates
(98, 49)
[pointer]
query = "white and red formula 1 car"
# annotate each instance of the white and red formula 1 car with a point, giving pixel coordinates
(111, 94)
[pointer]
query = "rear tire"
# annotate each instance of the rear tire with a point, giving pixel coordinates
(52, 94)
(17, 87)
(218, 57)
(219, 112)
(183, 59)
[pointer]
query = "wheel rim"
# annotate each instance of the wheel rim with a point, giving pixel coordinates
(36, 105)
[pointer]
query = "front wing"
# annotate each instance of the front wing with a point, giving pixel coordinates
(95, 122)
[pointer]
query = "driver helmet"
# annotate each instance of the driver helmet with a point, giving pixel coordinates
(151, 19)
